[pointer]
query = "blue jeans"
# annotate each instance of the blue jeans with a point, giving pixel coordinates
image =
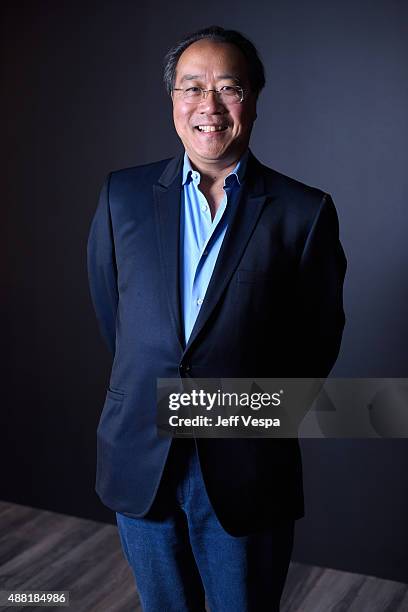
(180, 554)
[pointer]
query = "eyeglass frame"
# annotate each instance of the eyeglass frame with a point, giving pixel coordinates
(204, 92)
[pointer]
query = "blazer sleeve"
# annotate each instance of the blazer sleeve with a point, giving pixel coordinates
(102, 269)
(320, 293)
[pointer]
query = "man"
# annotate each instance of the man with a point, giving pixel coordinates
(209, 265)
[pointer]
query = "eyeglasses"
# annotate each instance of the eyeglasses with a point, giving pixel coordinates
(227, 94)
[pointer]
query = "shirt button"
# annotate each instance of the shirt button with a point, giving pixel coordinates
(195, 175)
(205, 253)
(199, 301)
(204, 207)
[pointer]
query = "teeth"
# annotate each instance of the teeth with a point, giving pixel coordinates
(210, 128)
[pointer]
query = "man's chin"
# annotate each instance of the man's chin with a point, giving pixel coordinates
(212, 154)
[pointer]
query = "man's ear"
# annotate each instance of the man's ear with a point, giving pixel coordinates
(255, 108)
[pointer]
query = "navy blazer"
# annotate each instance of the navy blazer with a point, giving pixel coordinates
(273, 308)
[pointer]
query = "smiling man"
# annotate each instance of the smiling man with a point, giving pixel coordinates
(215, 128)
(209, 265)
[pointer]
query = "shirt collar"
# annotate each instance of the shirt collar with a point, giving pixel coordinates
(238, 171)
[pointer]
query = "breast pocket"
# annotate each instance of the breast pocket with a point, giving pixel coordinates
(252, 276)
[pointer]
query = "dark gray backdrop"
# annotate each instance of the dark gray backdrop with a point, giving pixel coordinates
(82, 95)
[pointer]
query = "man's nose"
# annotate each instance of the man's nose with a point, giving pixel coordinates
(211, 103)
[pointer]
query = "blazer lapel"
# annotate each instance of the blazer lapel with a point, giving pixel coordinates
(243, 219)
(167, 197)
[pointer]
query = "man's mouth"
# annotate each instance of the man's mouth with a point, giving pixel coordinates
(211, 128)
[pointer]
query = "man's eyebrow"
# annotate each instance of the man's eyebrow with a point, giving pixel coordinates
(191, 77)
(233, 77)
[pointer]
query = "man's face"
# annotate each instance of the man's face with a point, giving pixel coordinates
(211, 65)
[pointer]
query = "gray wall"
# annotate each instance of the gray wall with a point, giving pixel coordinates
(82, 95)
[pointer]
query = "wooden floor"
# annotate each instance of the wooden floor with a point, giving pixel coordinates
(48, 551)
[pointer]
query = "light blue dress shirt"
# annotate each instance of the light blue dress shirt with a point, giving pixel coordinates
(201, 237)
